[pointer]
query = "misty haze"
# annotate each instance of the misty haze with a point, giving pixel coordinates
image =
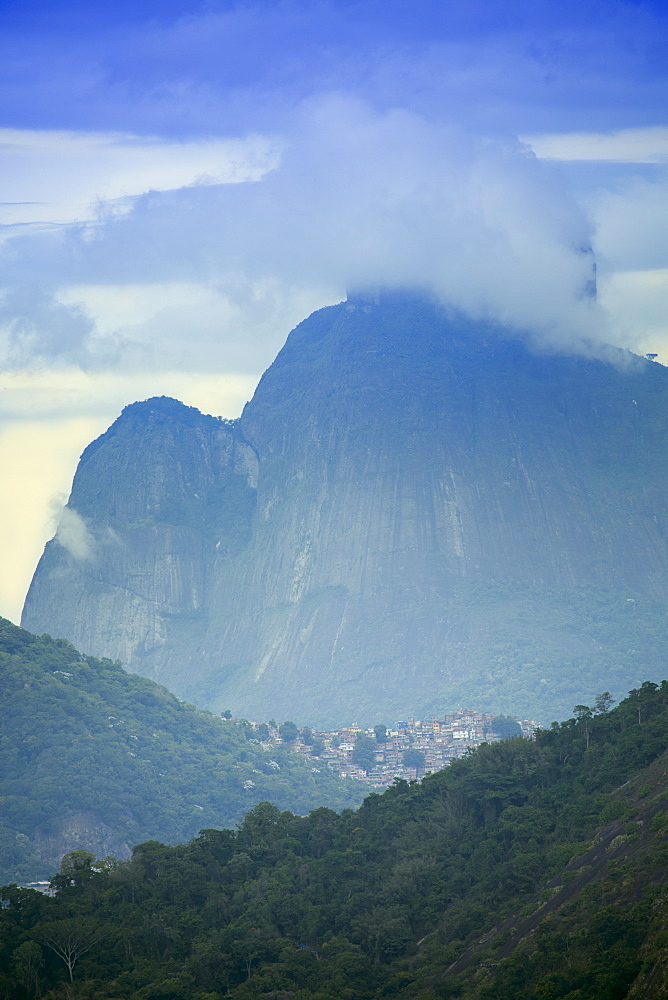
(333, 437)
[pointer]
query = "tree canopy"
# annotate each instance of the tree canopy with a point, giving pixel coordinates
(94, 757)
(526, 869)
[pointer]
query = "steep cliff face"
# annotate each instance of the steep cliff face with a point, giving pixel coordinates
(75, 832)
(155, 500)
(440, 516)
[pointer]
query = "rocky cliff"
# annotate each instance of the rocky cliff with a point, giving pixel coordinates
(412, 511)
(156, 501)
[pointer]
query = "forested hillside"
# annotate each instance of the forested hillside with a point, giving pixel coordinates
(527, 869)
(92, 757)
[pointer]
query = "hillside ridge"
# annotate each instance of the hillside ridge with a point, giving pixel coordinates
(529, 868)
(95, 758)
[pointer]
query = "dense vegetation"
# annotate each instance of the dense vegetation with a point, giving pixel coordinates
(107, 759)
(540, 650)
(527, 869)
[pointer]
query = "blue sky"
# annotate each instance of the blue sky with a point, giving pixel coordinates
(181, 183)
(207, 68)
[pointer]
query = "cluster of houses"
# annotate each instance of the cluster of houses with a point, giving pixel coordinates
(408, 751)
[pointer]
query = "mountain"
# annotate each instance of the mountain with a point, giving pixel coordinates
(414, 511)
(528, 869)
(94, 758)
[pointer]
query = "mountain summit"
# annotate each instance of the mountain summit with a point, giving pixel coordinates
(413, 511)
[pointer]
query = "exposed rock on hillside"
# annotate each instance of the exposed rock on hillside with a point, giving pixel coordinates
(157, 501)
(74, 832)
(412, 511)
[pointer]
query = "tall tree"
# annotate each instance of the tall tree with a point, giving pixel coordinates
(414, 758)
(604, 702)
(583, 714)
(364, 752)
(288, 732)
(69, 939)
(505, 727)
(27, 961)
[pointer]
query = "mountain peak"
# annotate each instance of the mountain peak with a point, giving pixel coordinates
(414, 510)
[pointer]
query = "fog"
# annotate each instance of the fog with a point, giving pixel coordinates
(358, 198)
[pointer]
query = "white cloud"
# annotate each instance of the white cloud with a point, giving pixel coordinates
(69, 393)
(630, 215)
(360, 198)
(37, 459)
(55, 177)
(631, 145)
(637, 302)
(631, 224)
(73, 534)
(233, 325)
(47, 417)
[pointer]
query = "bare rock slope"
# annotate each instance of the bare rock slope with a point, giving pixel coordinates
(412, 512)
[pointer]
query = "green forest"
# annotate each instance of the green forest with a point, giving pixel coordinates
(537, 650)
(96, 758)
(527, 869)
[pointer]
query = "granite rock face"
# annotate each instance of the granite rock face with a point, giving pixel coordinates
(74, 832)
(156, 501)
(413, 511)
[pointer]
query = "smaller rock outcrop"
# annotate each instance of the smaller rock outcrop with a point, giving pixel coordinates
(157, 499)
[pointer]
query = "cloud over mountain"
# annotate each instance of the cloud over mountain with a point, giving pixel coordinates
(359, 198)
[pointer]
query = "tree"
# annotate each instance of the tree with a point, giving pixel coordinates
(642, 696)
(603, 703)
(506, 727)
(381, 733)
(226, 714)
(414, 758)
(69, 940)
(307, 736)
(27, 960)
(262, 731)
(76, 868)
(364, 753)
(288, 732)
(583, 714)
